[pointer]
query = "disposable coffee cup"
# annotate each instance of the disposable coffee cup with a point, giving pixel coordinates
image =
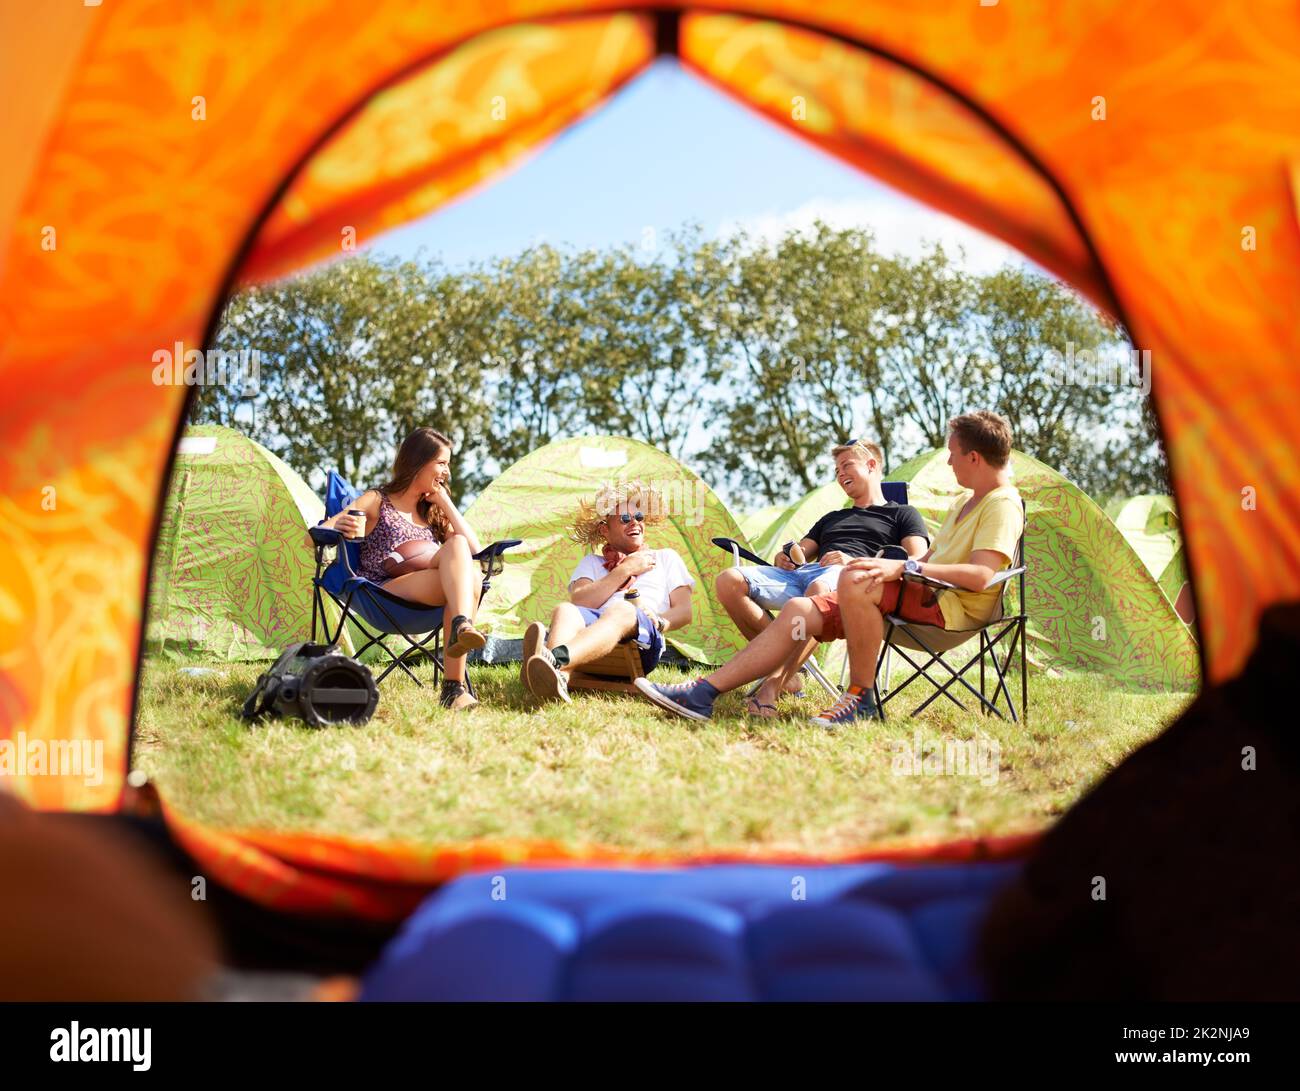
(360, 531)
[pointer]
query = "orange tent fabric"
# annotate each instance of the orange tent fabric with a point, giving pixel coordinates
(155, 153)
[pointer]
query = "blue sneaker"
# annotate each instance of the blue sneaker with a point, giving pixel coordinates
(689, 699)
(854, 704)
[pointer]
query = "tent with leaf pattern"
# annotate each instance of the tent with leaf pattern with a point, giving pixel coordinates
(1093, 604)
(1151, 526)
(232, 569)
(535, 500)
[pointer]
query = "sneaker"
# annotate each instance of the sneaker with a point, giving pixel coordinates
(456, 696)
(534, 641)
(688, 699)
(544, 678)
(854, 704)
(464, 637)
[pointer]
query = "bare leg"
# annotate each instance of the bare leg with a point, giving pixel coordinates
(733, 593)
(864, 626)
(588, 643)
(786, 679)
(798, 620)
(458, 571)
(449, 581)
(566, 623)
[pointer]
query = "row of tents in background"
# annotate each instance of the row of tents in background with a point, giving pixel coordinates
(232, 569)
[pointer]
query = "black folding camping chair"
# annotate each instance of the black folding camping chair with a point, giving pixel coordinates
(902, 636)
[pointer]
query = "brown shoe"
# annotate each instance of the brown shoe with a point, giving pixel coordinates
(546, 681)
(464, 637)
(534, 642)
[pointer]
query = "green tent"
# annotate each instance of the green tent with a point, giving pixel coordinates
(755, 524)
(1150, 525)
(232, 571)
(792, 522)
(535, 500)
(1093, 605)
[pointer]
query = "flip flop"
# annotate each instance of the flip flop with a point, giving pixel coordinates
(754, 709)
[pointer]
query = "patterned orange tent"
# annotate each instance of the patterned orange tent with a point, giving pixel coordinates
(156, 154)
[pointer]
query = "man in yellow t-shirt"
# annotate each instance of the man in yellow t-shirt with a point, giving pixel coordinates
(977, 541)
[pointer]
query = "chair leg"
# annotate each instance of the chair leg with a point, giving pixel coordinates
(982, 649)
(820, 678)
(1024, 674)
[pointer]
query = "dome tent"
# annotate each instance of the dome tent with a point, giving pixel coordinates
(232, 569)
(535, 499)
(755, 524)
(1093, 606)
(1150, 525)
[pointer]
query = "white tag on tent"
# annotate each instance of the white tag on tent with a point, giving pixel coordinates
(594, 458)
(197, 445)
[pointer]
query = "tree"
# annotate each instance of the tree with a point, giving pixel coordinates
(799, 326)
(352, 358)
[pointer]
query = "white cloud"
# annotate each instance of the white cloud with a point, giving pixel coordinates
(901, 226)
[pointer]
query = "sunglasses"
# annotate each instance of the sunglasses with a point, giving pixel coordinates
(625, 518)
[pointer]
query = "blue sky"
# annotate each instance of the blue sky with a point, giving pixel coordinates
(665, 151)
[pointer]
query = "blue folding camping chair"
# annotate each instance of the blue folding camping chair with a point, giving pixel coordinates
(375, 613)
(895, 492)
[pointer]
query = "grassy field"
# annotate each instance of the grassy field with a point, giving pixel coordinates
(617, 772)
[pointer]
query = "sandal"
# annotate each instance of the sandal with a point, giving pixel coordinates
(754, 708)
(456, 695)
(464, 637)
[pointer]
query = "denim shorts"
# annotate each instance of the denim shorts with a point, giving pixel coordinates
(649, 640)
(773, 587)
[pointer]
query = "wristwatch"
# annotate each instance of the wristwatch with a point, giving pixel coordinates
(661, 622)
(912, 567)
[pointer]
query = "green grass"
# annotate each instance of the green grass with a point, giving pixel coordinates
(617, 772)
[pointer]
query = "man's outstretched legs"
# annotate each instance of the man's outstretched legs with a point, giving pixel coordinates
(770, 650)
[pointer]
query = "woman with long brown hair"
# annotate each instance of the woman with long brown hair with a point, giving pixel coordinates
(415, 507)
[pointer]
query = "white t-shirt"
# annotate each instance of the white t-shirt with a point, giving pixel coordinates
(654, 586)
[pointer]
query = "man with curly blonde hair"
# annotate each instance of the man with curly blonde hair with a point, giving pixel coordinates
(625, 591)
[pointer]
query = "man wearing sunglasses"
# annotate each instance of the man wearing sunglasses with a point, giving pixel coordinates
(626, 591)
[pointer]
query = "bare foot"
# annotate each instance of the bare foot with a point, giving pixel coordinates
(762, 702)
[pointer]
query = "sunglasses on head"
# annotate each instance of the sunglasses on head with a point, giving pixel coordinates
(625, 518)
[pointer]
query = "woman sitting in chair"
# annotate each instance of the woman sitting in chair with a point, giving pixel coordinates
(418, 546)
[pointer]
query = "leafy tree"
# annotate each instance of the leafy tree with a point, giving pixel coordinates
(352, 358)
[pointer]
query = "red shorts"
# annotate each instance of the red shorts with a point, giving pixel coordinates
(919, 603)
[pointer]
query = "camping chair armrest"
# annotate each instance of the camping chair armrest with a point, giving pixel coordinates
(944, 585)
(930, 581)
(324, 538)
(737, 550)
(490, 557)
(1005, 575)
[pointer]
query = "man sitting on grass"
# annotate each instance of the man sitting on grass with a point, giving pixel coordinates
(977, 541)
(862, 530)
(599, 614)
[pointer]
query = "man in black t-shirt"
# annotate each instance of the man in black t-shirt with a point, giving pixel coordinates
(862, 530)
